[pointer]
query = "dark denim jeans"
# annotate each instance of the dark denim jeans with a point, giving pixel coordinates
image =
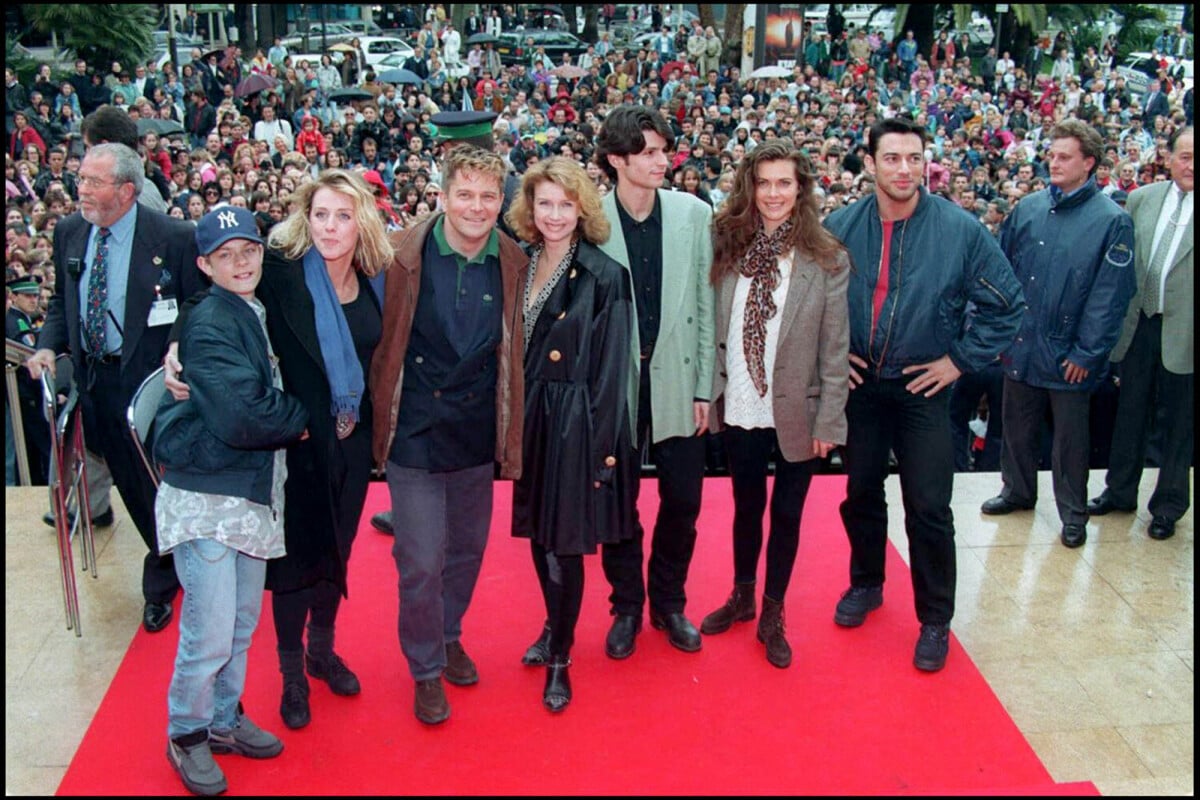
(883, 416)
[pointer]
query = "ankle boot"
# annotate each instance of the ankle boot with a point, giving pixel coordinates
(538, 652)
(557, 693)
(326, 665)
(294, 705)
(770, 633)
(738, 608)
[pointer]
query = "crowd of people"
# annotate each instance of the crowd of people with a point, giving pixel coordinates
(434, 279)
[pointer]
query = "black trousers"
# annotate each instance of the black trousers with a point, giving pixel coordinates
(964, 400)
(1024, 410)
(679, 462)
(883, 416)
(107, 433)
(749, 453)
(1146, 388)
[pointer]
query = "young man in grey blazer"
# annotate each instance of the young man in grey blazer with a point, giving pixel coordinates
(664, 239)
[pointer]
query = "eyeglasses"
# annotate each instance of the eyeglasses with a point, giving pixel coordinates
(95, 183)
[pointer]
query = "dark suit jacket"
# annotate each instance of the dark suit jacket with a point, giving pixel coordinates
(163, 254)
(1156, 106)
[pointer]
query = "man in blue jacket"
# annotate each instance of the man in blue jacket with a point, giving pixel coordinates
(918, 261)
(1072, 249)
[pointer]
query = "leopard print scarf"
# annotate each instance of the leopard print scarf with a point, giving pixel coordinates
(761, 265)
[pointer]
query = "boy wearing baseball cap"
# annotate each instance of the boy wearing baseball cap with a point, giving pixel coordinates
(219, 508)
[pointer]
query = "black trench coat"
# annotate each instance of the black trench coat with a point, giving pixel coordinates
(576, 422)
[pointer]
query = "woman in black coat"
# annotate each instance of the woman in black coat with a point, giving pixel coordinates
(576, 485)
(318, 266)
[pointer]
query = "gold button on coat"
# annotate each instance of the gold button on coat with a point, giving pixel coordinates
(555, 356)
(611, 461)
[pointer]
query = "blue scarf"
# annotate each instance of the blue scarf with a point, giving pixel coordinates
(342, 367)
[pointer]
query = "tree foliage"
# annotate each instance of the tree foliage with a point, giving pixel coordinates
(99, 33)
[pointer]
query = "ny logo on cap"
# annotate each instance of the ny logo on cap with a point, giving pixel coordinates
(227, 219)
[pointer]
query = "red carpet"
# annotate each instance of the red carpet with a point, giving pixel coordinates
(851, 715)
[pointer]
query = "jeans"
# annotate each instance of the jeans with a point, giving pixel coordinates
(883, 416)
(441, 522)
(223, 591)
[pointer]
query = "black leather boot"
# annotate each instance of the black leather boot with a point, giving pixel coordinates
(557, 693)
(538, 652)
(738, 608)
(770, 633)
(294, 705)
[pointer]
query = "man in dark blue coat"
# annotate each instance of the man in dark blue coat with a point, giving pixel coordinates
(1072, 249)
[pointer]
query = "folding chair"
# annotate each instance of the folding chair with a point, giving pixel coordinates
(15, 356)
(68, 482)
(140, 416)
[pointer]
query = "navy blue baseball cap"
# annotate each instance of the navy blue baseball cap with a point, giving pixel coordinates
(223, 224)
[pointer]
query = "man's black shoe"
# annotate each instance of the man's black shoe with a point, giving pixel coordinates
(1000, 505)
(155, 616)
(1104, 505)
(1161, 528)
(622, 637)
(382, 522)
(99, 521)
(681, 633)
(856, 603)
(932, 647)
(1074, 534)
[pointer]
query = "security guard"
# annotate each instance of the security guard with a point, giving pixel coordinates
(20, 325)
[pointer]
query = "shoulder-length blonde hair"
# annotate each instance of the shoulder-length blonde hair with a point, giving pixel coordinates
(293, 237)
(593, 227)
(738, 221)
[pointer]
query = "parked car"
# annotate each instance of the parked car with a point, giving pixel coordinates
(454, 69)
(364, 27)
(1139, 69)
(514, 47)
(334, 32)
(379, 47)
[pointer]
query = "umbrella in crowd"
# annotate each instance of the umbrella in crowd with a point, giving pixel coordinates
(350, 93)
(481, 38)
(163, 127)
(400, 76)
(254, 83)
(569, 71)
(668, 67)
(771, 71)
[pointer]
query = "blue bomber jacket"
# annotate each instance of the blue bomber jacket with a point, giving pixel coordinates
(1074, 258)
(940, 260)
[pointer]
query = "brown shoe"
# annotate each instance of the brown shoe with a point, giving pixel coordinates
(460, 669)
(429, 702)
(738, 608)
(770, 633)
